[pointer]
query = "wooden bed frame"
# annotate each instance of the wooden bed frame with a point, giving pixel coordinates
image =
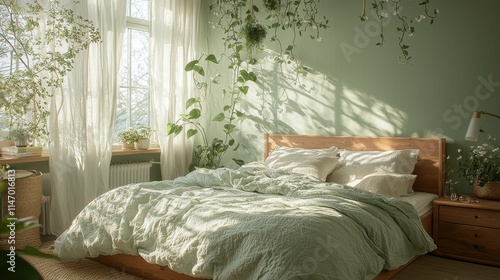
(429, 170)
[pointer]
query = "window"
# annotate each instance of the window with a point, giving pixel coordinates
(134, 106)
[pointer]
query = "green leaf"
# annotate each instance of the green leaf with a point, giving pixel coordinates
(244, 89)
(191, 132)
(194, 114)
(253, 77)
(32, 251)
(245, 75)
(240, 114)
(229, 128)
(24, 270)
(191, 101)
(212, 58)
(238, 161)
(220, 117)
(198, 69)
(190, 65)
(178, 129)
(230, 142)
(239, 48)
(227, 108)
(170, 128)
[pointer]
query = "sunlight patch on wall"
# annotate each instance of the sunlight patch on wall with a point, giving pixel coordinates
(315, 104)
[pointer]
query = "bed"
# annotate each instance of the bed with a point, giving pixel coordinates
(122, 251)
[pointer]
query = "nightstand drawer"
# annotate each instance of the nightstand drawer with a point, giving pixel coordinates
(469, 242)
(470, 216)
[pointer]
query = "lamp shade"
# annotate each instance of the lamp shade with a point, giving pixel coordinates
(473, 130)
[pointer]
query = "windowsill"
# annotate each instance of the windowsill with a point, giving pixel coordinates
(45, 156)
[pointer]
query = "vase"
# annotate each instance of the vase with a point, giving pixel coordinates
(490, 190)
(142, 144)
(128, 146)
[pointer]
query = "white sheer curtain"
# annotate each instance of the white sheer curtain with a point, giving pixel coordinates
(173, 32)
(82, 116)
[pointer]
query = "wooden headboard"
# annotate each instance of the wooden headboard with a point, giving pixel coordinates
(429, 168)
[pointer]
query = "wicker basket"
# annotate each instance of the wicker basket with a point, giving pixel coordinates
(490, 190)
(28, 203)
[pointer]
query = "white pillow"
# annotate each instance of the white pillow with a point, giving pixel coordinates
(358, 164)
(313, 162)
(393, 185)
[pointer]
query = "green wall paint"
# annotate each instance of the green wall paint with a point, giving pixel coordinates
(454, 70)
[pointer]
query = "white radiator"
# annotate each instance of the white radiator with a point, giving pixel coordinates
(129, 173)
(44, 219)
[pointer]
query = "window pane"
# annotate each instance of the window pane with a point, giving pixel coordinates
(139, 58)
(139, 106)
(125, 60)
(122, 112)
(138, 9)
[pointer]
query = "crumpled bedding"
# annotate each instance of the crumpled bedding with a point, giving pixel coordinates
(250, 223)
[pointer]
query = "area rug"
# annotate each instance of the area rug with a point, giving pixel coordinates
(84, 269)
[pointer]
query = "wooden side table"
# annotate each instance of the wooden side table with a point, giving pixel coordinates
(468, 231)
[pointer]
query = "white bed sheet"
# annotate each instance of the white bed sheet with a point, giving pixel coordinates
(422, 201)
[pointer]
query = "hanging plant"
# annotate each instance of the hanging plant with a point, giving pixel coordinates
(245, 28)
(271, 5)
(406, 28)
(254, 34)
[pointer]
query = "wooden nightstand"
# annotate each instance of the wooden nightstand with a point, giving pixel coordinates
(467, 231)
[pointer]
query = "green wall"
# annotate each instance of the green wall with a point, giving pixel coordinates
(454, 70)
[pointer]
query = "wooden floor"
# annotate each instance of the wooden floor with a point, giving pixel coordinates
(429, 267)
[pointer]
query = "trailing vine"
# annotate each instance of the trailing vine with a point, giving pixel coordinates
(246, 27)
(406, 27)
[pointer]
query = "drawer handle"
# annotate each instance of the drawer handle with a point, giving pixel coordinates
(476, 246)
(476, 216)
(476, 235)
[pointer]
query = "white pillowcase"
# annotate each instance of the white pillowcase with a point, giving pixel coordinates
(393, 185)
(355, 165)
(312, 162)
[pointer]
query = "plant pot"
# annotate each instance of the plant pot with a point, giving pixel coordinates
(128, 146)
(142, 144)
(22, 141)
(490, 190)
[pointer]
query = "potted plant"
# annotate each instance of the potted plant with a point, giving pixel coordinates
(21, 136)
(480, 167)
(128, 137)
(144, 134)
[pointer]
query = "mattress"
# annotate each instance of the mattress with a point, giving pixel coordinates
(422, 201)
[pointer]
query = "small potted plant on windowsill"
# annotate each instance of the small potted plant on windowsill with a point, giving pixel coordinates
(128, 137)
(144, 134)
(20, 136)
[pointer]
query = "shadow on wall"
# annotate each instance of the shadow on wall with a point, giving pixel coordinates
(311, 103)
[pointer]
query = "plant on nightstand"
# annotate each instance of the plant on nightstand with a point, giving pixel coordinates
(480, 167)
